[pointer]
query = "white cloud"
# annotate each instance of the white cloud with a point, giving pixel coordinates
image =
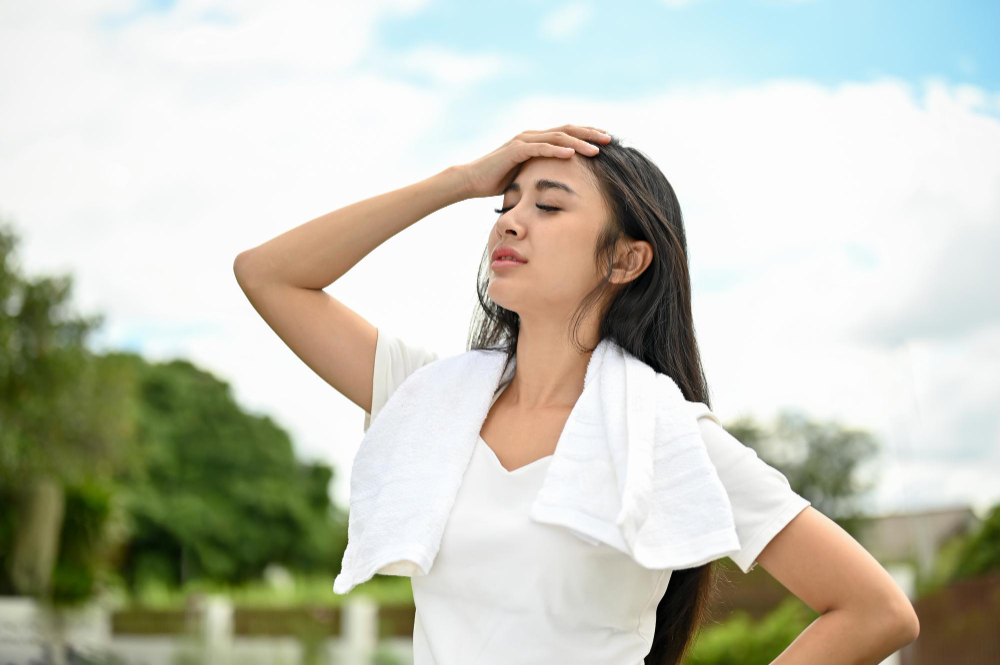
(920, 484)
(449, 68)
(306, 36)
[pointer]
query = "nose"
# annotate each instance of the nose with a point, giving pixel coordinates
(508, 222)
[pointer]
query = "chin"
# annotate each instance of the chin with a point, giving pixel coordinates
(502, 299)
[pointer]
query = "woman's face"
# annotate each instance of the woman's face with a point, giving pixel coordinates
(558, 245)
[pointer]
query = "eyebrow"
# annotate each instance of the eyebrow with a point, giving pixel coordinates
(541, 185)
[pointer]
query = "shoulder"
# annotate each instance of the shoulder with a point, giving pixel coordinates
(730, 456)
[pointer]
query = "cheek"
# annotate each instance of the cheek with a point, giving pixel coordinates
(569, 268)
(580, 256)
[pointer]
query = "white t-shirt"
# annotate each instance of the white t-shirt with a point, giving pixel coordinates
(506, 589)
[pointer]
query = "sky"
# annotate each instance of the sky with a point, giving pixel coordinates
(837, 164)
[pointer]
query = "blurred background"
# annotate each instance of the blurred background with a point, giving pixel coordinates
(174, 480)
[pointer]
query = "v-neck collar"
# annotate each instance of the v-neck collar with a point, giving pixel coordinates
(492, 453)
(505, 470)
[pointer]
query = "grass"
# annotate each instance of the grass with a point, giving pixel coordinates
(303, 590)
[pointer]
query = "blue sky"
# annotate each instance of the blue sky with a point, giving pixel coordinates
(837, 164)
(689, 43)
(628, 49)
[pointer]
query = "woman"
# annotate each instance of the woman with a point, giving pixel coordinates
(596, 248)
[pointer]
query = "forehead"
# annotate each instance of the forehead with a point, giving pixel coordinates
(549, 170)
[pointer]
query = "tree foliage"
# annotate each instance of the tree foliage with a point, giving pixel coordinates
(219, 493)
(64, 412)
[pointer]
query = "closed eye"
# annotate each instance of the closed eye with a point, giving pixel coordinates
(501, 211)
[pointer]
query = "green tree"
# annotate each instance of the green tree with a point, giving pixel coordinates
(219, 493)
(64, 417)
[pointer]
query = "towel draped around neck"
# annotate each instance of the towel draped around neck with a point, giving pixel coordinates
(630, 469)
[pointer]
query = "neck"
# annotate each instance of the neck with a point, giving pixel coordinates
(550, 370)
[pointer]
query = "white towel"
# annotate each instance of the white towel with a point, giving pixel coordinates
(630, 468)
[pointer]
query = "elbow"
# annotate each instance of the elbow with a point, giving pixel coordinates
(240, 263)
(889, 626)
(904, 625)
(242, 270)
(909, 625)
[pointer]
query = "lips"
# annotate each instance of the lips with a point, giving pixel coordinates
(506, 252)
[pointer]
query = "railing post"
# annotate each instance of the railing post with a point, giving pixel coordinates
(360, 632)
(217, 627)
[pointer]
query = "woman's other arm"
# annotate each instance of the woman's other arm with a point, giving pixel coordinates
(864, 615)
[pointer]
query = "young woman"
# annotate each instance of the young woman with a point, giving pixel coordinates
(600, 251)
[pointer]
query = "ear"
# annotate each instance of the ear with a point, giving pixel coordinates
(631, 260)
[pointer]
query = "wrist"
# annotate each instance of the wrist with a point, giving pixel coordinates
(455, 183)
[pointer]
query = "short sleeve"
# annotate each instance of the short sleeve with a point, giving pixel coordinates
(394, 361)
(763, 502)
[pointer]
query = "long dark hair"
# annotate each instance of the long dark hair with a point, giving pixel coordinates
(650, 317)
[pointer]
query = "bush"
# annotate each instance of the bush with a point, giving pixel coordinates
(81, 541)
(741, 641)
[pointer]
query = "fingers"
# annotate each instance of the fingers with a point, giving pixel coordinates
(586, 131)
(595, 129)
(538, 149)
(564, 139)
(582, 131)
(599, 134)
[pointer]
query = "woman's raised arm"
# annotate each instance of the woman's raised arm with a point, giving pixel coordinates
(284, 278)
